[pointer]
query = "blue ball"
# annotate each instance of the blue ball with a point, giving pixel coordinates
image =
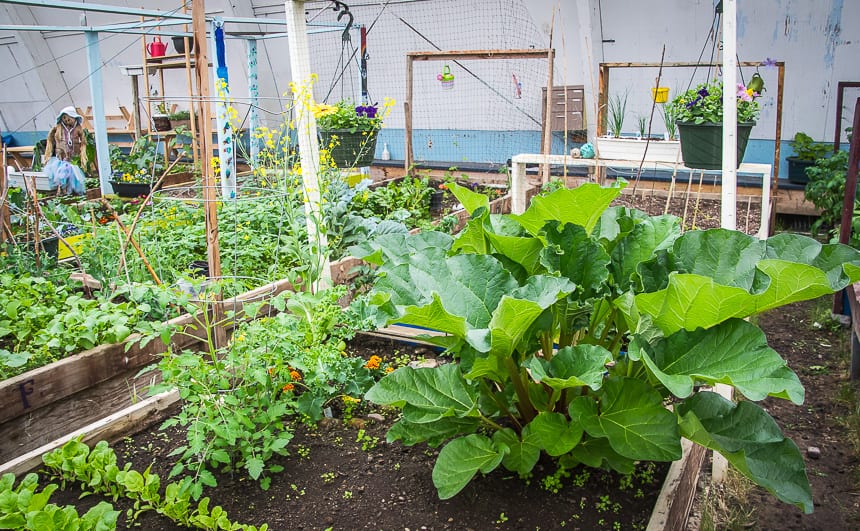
(587, 150)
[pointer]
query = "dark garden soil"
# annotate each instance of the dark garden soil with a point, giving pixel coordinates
(696, 213)
(819, 353)
(333, 480)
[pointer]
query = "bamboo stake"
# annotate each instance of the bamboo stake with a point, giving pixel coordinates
(35, 219)
(132, 240)
(145, 202)
(698, 198)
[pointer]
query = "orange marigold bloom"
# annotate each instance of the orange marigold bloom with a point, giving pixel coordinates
(373, 362)
(272, 371)
(389, 369)
(288, 387)
(295, 375)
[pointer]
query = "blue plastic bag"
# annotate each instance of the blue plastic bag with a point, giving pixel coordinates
(65, 176)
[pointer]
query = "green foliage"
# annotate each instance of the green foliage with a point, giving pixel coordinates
(406, 199)
(96, 472)
(617, 110)
(43, 321)
(826, 189)
(346, 115)
(237, 401)
(25, 507)
(805, 148)
(704, 104)
(572, 325)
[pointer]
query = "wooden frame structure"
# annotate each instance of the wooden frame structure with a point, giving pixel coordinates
(840, 96)
(471, 55)
(603, 96)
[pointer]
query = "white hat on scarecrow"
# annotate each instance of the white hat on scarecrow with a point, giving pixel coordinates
(71, 111)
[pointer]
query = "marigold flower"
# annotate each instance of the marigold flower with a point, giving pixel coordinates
(373, 362)
(288, 387)
(295, 375)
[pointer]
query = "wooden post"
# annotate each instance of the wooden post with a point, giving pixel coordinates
(407, 109)
(5, 218)
(210, 196)
(850, 195)
(546, 129)
(135, 97)
(777, 148)
(196, 148)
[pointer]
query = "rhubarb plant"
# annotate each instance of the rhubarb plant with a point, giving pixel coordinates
(574, 325)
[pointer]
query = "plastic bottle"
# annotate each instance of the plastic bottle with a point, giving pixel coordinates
(386, 155)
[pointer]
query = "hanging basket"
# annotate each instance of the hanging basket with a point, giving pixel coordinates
(348, 149)
(161, 122)
(702, 144)
(660, 94)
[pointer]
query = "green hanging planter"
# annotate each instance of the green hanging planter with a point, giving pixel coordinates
(348, 149)
(702, 144)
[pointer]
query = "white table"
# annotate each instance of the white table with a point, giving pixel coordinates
(519, 182)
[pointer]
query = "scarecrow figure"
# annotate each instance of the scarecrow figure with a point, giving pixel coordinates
(65, 141)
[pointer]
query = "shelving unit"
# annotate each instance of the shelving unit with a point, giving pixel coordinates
(158, 66)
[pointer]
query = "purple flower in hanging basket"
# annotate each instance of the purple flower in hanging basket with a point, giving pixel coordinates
(366, 110)
(769, 63)
(703, 93)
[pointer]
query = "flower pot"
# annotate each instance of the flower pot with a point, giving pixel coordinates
(797, 169)
(161, 122)
(702, 144)
(348, 149)
(436, 200)
(660, 94)
(130, 189)
(179, 45)
(634, 149)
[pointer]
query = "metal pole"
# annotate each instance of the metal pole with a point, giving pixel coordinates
(365, 96)
(306, 126)
(227, 160)
(254, 95)
(94, 62)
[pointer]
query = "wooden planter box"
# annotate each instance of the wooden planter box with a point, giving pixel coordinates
(634, 149)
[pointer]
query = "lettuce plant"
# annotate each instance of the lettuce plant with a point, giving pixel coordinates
(574, 325)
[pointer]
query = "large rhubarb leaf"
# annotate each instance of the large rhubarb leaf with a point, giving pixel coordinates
(470, 200)
(523, 451)
(427, 395)
(394, 249)
(433, 433)
(578, 366)
(582, 206)
(736, 276)
(646, 238)
(554, 433)
(468, 286)
(572, 253)
(632, 417)
(461, 459)
(751, 441)
(734, 352)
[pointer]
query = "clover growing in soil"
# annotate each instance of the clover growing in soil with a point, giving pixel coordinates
(574, 323)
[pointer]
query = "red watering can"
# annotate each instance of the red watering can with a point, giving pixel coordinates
(156, 48)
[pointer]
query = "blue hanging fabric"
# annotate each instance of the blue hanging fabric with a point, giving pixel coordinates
(221, 70)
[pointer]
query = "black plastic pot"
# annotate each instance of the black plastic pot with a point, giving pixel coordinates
(797, 169)
(436, 201)
(702, 144)
(199, 268)
(179, 45)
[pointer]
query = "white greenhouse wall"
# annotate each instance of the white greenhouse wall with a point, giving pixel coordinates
(815, 39)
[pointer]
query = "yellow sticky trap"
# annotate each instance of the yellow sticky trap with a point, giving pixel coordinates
(76, 242)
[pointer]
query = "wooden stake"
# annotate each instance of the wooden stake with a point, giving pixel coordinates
(132, 240)
(210, 196)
